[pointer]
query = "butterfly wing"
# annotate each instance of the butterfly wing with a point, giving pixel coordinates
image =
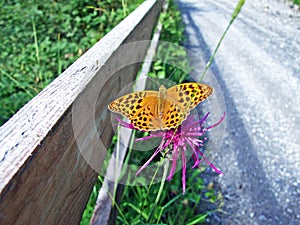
(180, 100)
(166, 109)
(188, 95)
(141, 108)
(173, 115)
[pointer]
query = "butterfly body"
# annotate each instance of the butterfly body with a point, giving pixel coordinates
(163, 109)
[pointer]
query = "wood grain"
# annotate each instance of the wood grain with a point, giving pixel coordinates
(52, 150)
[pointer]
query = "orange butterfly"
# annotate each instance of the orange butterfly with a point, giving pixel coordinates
(163, 109)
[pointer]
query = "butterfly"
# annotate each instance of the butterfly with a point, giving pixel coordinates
(160, 110)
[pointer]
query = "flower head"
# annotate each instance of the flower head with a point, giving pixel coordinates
(190, 133)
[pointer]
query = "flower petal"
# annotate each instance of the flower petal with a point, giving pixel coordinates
(183, 171)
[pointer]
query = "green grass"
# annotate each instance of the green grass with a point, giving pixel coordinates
(173, 207)
(296, 2)
(40, 39)
(147, 205)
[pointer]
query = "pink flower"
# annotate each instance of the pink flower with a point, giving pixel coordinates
(189, 133)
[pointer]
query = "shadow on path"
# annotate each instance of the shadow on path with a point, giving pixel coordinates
(248, 197)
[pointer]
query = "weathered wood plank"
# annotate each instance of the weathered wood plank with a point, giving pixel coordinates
(102, 211)
(50, 150)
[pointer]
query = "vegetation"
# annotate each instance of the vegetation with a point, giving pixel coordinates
(139, 204)
(40, 39)
(296, 2)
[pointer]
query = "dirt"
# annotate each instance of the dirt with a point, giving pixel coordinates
(258, 71)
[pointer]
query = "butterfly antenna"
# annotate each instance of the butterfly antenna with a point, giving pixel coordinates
(153, 80)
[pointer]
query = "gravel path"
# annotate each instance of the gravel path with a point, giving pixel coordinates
(258, 69)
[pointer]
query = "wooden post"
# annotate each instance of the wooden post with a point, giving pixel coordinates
(52, 149)
(102, 211)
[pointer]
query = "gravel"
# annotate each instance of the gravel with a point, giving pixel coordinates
(258, 70)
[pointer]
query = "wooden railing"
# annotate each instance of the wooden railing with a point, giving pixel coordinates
(51, 150)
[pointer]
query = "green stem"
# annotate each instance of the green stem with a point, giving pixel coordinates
(17, 83)
(114, 203)
(124, 6)
(36, 47)
(166, 206)
(162, 184)
(116, 164)
(59, 62)
(233, 17)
